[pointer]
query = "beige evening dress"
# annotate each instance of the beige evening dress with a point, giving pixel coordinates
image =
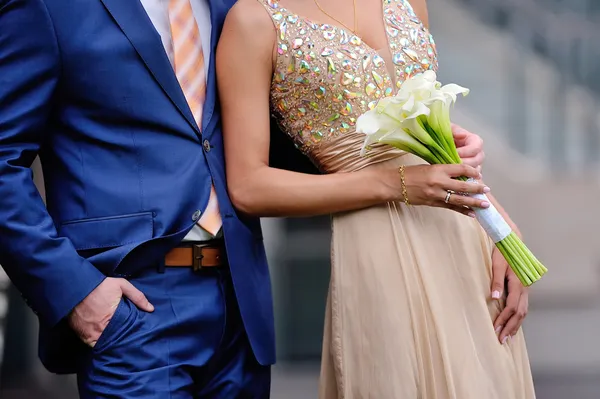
(409, 314)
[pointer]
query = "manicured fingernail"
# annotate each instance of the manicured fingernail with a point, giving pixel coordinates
(498, 329)
(496, 294)
(485, 204)
(471, 214)
(504, 340)
(150, 307)
(486, 189)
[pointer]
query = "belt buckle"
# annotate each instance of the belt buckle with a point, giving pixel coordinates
(197, 257)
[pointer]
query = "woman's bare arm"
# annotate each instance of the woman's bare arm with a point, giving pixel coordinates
(244, 71)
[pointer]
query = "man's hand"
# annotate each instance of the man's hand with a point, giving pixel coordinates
(509, 321)
(91, 316)
(469, 146)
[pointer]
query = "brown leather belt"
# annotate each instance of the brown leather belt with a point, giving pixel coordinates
(197, 256)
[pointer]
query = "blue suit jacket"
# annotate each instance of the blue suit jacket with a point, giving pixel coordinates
(86, 84)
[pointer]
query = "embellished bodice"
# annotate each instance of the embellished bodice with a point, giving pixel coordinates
(326, 77)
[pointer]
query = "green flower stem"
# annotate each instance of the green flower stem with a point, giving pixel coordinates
(530, 259)
(450, 141)
(443, 139)
(439, 157)
(514, 251)
(525, 265)
(513, 264)
(430, 156)
(538, 265)
(449, 150)
(442, 155)
(435, 135)
(531, 270)
(518, 267)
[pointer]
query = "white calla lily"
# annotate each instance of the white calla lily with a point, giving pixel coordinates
(430, 76)
(372, 122)
(439, 119)
(421, 110)
(375, 124)
(453, 90)
(424, 81)
(417, 120)
(402, 140)
(404, 108)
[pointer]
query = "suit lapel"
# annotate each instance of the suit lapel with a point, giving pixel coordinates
(218, 11)
(137, 26)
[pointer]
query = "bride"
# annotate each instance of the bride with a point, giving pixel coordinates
(410, 313)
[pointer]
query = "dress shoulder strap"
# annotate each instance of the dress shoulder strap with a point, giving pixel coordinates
(272, 6)
(275, 11)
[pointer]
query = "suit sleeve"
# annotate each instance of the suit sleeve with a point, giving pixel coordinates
(45, 268)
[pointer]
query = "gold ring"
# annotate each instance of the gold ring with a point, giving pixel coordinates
(448, 196)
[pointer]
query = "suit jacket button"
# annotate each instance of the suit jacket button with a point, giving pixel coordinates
(196, 216)
(206, 145)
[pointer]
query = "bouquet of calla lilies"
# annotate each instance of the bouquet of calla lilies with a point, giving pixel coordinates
(417, 120)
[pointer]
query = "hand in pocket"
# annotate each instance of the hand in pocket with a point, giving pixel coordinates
(91, 316)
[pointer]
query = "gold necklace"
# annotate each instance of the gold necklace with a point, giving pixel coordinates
(337, 20)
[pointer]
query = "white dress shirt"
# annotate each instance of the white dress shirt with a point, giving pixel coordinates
(158, 11)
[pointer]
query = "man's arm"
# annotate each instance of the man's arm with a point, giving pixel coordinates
(45, 268)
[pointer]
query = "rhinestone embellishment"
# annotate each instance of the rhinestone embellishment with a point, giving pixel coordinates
(326, 77)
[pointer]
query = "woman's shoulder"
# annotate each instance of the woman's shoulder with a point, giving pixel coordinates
(250, 17)
(248, 34)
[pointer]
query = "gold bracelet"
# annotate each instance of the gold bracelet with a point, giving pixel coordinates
(403, 182)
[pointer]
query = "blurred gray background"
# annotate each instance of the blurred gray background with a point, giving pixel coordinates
(532, 67)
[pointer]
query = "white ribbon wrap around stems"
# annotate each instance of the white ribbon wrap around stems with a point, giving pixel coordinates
(491, 220)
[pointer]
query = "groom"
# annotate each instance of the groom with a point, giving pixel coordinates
(146, 281)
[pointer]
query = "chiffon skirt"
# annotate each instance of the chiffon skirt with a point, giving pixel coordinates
(409, 313)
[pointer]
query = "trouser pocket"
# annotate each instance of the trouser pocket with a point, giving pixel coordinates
(119, 326)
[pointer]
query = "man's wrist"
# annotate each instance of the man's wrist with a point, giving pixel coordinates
(83, 292)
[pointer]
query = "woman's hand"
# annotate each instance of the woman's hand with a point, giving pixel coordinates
(508, 323)
(430, 184)
(469, 146)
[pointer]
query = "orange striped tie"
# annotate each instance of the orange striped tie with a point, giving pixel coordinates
(189, 68)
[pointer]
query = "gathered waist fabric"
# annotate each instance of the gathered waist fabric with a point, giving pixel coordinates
(341, 154)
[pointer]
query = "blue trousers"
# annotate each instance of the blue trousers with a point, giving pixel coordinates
(192, 346)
